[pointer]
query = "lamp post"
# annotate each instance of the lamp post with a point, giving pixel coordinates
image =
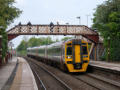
(79, 18)
(11, 45)
(58, 27)
(67, 26)
(108, 51)
(87, 19)
(29, 26)
(67, 23)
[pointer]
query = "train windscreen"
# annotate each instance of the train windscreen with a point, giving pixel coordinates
(69, 50)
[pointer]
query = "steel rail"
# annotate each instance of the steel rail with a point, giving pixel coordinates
(64, 85)
(111, 82)
(77, 77)
(42, 85)
(97, 86)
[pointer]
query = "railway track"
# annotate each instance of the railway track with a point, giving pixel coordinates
(86, 81)
(45, 79)
(106, 72)
(98, 82)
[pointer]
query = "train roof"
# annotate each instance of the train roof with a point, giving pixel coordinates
(48, 46)
(74, 39)
(57, 44)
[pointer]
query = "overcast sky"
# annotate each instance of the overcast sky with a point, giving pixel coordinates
(63, 11)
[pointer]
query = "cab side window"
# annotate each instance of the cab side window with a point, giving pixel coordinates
(84, 50)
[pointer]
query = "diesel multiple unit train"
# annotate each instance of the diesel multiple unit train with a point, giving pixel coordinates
(71, 55)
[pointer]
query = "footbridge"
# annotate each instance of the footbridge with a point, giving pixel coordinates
(29, 29)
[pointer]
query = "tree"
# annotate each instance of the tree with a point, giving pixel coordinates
(4, 44)
(48, 40)
(107, 22)
(66, 38)
(57, 40)
(22, 47)
(33, 42)
(8, 13)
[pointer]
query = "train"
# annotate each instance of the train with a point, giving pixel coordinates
(71, 55)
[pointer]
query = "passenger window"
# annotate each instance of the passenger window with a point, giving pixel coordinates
(84, 50)
(69, 50)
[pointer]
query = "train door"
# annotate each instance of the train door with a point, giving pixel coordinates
(62, 59)
(77, 54)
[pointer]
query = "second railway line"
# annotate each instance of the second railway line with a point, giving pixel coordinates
(99, 82)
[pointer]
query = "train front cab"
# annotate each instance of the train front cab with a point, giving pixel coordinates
(76, 56)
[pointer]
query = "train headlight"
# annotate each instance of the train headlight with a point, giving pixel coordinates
(85, 56)
(69, 57)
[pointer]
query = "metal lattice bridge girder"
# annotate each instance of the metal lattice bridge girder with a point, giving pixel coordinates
(56, 30)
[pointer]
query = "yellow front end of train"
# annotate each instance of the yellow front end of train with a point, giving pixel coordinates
(76, 55)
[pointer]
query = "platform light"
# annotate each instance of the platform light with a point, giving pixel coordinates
(108, 56)
(29, 26)
(11, 45)
(67, 23)
(87, 18)
(79, 18)
(66, 27)
(58, 26)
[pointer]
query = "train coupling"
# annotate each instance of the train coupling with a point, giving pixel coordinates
(77, 66)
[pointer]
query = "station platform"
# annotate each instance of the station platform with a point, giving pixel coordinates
(106, 65)
(6, 71)
(17, 75)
